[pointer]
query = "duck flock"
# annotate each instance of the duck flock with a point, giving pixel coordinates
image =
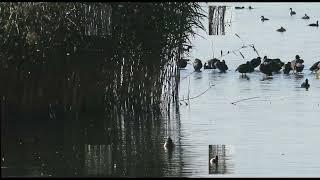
(267, 66)
(282, 29)
(292, 13)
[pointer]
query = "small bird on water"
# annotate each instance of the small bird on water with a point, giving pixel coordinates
(292, 12)
(214, 160)
(281, 29)
(305, 16)
(305, 84)
(168, 144)
(314, 24)
(264, 19)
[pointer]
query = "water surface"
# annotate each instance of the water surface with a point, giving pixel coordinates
(274, 134)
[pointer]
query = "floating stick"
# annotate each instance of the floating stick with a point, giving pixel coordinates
(234, 103)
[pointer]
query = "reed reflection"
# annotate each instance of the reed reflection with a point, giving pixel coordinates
(219, 160)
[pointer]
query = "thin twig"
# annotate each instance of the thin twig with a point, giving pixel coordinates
(199, 94)
(234, 103)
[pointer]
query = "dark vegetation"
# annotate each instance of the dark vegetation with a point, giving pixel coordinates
(81, 69)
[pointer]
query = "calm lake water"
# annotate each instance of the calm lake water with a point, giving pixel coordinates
(273, 134)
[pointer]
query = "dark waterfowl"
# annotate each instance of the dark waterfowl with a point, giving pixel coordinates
(305, 84)
(281, 29)
(237, 7)
(250, 7)
(245, 68)
(287, 68)
(169, 143)
(314, 24)
(264, 19)
(211, 63)
(255, 62)
(182, 63)
(299, 67)
(297, 64)
(292, 12)
(197, 64)
(315, 66)
(205, 66)
(221, 65)
(266, 67)
(305, 16)
(276, 65)
(266, 59)
(214, 160)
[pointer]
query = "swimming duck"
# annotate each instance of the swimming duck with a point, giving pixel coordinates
(299, 66)
(245, 68)
(255, 62)
(305, 84)
(205, 66)
(276, 65)
(315, 24)
(214, 160)
(264, 19)
(250, 7)
(237, 7)
(182, 63)
(305, 16)
(212, 62)
(168, 144)
(281, 29)
(266, 67)
(315, 66)
(221, 65)
(197, 64)
(292, 12)
(287, 68)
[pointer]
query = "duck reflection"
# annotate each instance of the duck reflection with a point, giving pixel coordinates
(218, 160)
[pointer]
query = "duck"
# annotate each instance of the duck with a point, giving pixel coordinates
(168, 144)
(266, 67)
(305, 84)
(212, 62)
(292, 12)
(315, 66)
(255, 62)
(305, 16)
(221, 65)
(245, 68)
(205, 66)
(214, 160)
(182, 63)
(197, 64)
(314, 24)
(287, 68)
(299, 67)
(250, 7)
(299, 64)
(264, 19)
(281, 29)
(276, 65)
